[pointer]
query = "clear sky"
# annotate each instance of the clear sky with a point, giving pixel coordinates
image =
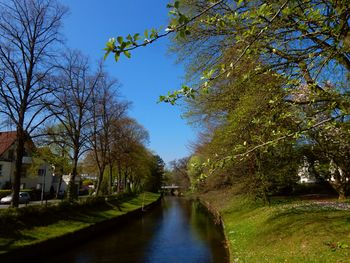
(150, 72)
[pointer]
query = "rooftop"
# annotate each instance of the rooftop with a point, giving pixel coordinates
(6, 140)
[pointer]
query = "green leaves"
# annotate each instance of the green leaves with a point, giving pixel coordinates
(175, 5)
(136, 37)
(172, 97)
(109, 47)
(179, 21)
(122, 45)
(127, 54)
(239, 2)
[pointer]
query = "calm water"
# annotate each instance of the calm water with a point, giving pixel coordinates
(176, 231)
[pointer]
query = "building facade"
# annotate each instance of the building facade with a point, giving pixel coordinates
(30, 179)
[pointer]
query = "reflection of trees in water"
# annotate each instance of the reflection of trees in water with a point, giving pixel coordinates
(206, 230)
(201, 221)
(126, 243)
(142, 240)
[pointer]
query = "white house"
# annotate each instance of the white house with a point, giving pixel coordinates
(65, 182)
(43, 175)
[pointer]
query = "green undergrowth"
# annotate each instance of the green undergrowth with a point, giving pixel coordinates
(285, 231)
(32, 224)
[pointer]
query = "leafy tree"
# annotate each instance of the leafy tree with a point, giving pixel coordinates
(332, 144)
(46, 155)
(127, 147)
(56, 142)
(154, 181)
(179, 173)
(195, 170)
(304, 43)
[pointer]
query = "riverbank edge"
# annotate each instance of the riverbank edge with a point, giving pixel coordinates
(218, 220)
(247, 244)
(53, 245)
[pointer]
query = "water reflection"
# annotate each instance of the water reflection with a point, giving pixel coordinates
(177, 231)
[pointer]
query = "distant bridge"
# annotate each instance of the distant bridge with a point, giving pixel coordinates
(172, 189)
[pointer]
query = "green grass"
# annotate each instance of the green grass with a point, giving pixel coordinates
(286, 231)
(25, 226)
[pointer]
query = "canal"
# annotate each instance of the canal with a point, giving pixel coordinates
(178, 231)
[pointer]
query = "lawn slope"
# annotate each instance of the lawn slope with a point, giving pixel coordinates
(285, 231)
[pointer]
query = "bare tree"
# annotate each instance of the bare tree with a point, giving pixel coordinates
(73, 104)
(105, 110)
(29, 29)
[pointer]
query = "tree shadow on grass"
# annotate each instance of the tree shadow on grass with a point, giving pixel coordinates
(304, 222)
(28, 218)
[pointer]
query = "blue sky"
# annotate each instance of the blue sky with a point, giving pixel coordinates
(150, 72)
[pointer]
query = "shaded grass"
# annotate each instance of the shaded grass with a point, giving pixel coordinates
(29, 225)
(289, 231)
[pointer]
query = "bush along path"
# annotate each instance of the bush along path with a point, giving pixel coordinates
(287, 230)
(27, 227)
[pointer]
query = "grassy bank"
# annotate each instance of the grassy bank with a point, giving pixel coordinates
(33, 224)
(286, 231)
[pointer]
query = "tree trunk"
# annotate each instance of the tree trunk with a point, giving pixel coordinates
(341, 195)
(110, 179)
(341, 189)
(18, 169)
(119, 176)
(59, 186)
(100, 179)
(340, 182)
(125, 180)
(72, 191)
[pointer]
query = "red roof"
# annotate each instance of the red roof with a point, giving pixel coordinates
(6, 140)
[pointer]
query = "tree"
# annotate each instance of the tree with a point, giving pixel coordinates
(179, 174)
(128, 149)
(155, 180)
(332, 144)
(72, 105)
(239, 115)
(29, 32)
(59, 148)
(304, 42)
(49, 155)
(105, 110)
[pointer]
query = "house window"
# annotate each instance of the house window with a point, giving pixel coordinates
(0, 169)
(41, 172)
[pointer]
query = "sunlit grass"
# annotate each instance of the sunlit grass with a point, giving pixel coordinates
(293, 231)
(53, 225)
